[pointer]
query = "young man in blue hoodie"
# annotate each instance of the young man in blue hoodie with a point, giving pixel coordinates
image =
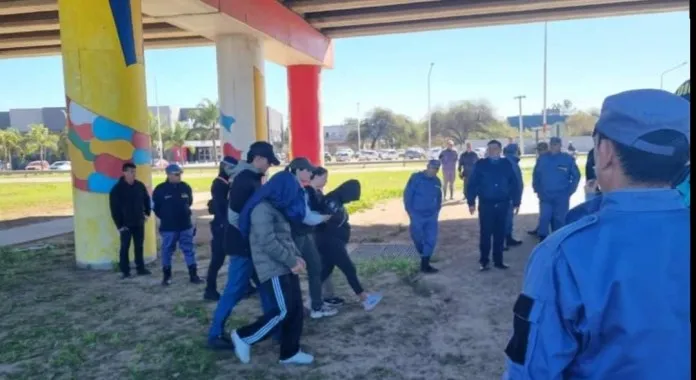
(423, 201)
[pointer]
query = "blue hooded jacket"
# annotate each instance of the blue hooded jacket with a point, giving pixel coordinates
(283, 192)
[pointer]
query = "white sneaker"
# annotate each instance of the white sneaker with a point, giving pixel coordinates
(241, 348)
(299, 358)
(371, 301)
(325, 311)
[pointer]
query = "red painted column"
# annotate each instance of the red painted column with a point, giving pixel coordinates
(306, 133)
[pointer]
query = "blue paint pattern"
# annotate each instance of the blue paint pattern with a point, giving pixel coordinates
(227, 121)
(123, 20)
(108, 130)
(100, 183)
(142, 157)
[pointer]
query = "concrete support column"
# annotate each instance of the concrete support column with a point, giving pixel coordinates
(306, 132)
(241, 88)
(102, 48)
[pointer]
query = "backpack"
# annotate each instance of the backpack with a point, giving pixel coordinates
(211, 207)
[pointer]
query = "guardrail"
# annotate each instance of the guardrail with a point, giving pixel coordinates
(212, 165)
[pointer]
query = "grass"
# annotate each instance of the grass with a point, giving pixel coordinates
(27, 199)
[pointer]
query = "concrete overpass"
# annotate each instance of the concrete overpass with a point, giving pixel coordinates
(102, 44)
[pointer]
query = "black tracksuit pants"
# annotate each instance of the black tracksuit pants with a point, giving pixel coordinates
(217, 255)
(334, 254)
(137, 234)
(492, 220)
(286, 314)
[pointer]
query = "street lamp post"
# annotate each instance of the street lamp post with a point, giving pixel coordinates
(519, 100)
(430, 135)
(662, 76)
(543, 112)
(159, 125)
(358, 115)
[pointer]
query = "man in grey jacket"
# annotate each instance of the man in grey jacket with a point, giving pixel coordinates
(277, 262)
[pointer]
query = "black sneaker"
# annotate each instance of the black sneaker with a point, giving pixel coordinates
(533, 232)
(511, 242)
(334, 301)
(125, 276)
(211, 295)
(429, 269)
(143, 272)
(484, 267)
(220, 343)
(501, 266)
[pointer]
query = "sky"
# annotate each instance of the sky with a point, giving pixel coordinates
(587, 61)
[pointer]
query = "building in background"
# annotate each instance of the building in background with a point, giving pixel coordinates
(335, 136)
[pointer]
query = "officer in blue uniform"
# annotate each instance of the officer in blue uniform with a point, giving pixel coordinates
(608, 297)
(423, 201)
(555, 179)
(497, 188)
(512, 153)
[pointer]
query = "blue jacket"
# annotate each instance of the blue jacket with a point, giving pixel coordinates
(172, 205)
(283, 192)
(515, 161)
(423, 195)
(608, 297)
(584, 209)
(555, 175)
(494, 181)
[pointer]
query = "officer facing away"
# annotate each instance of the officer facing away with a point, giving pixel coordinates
(608, 297)
(541, 149)
(555, 179)
(497, 188)
(511, 153)
(423, 201)
(173, 199)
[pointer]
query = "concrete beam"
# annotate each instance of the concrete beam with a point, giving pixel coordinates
(12, 27)
(650, 6)
(312, 6)
(27, 6)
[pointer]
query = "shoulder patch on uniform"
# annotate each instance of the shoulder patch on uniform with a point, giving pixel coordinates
(516, 348)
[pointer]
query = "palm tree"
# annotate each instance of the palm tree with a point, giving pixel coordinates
(176, 136)
(10, 142)
(154, 127)
(205, 122)
(39, 139)
(63, 143)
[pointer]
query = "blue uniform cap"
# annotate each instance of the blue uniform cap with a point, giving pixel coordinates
(434, 164)
(172, 169)
(628, 116)
(555, 140)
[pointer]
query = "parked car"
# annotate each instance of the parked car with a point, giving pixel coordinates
(61, 165)
(414, 154)
(37, 165)
(481, 152)
(434, 153)
(343, 156)
(389, 155)
(368, 155)
(400, 153)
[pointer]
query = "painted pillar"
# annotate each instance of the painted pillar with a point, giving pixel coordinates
(241, 87)
(102, 47)
(306, 133)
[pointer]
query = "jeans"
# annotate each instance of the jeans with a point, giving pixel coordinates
(137, 233)
(424, 234)
(185, 241)
(240, 272)
(492, 218)
(552, 214)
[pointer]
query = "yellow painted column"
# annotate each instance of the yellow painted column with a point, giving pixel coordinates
(260, 103)
(102, 47)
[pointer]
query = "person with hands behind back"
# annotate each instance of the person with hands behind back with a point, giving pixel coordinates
(496, 186)
(130, 207)
(265, 219)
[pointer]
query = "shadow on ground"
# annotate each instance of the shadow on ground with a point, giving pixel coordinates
(62, 323)
(18, 222)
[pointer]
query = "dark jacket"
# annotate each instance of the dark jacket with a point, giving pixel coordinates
(245, 180)
(493, 181)
(338, 227)
(129, 204)
(466, 163)
(590, 166)
(219, 190)
(173, 206)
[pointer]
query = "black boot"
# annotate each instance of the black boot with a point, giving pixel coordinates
(426, 267)
(166, 276)
(511, 242)
(193, 275)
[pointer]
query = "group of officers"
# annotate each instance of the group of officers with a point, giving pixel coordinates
(606, 295)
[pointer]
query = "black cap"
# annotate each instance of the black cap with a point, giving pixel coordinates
(262, 149)
(301, 163)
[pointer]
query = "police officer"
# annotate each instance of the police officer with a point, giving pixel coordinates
(555, 179)
(497, 188)
(217, 206)
(541, 149)
(608, 297)
(172, 204)
(423, 201)
(511, 152)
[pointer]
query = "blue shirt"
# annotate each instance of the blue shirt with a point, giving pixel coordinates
(555, 174)
(608, 297)
(493, 181)
(423, 195)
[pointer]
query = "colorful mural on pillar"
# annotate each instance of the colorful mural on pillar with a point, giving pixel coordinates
(228, 149)
(102, 50)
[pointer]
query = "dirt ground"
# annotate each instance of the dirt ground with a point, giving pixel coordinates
(57, 322)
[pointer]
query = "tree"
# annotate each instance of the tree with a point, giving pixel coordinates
(563, 108)
(205, 122)
(154, 128)
(382, 126)
(581, 124)
(63, 143)
(39, 139)
(461, 120)
(10, 144)
(176, 136)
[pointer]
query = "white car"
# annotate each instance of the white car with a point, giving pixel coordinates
(343, 156)
(389, 155)
(61, 165)
(434, 153)
(368, 155)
